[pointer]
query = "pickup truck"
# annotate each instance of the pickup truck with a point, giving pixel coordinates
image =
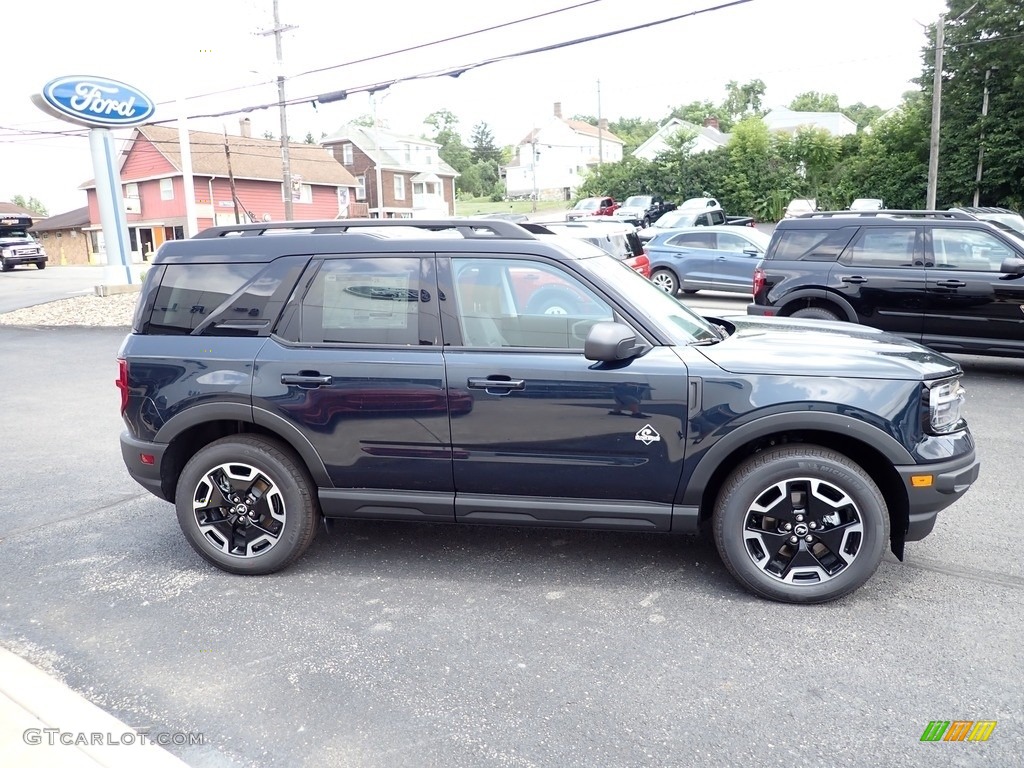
(693, 217)
(592, 206)
(641, 210)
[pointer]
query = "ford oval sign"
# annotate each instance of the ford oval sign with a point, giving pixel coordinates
(97, 101)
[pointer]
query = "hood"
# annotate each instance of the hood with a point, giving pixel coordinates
(816, 348)
(632, 210)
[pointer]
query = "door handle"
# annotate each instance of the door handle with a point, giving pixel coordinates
(854, 279)
(950, 283)
(505, 383)
(310, 379)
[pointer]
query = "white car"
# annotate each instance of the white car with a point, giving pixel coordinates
(866, 204)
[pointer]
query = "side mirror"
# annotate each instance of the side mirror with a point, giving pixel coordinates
(1012, 265)
(610, 342)
(751, 252)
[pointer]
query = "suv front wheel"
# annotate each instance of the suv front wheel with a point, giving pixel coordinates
(246, 505)
(801, 524)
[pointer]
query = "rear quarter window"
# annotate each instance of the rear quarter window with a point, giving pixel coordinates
(811, 244)
(190, 293)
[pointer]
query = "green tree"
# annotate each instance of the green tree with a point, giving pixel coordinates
(862, 114)
(482, 143)
(633, 131)
(697, 112)
(30, 204)
(445, 132)
(981, 40)
(812, 101)
(364, 120)
(743, 100)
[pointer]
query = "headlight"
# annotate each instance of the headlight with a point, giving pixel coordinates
(945, 406)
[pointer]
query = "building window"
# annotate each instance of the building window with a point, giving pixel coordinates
(408, 153)
(399, 187)
(302, 193)
(131, 190)
(360, 187)
(166, 189)
(346, 154)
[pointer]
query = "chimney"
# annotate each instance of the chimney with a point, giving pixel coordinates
(246, 127)
(711, 122)
(602, 123)
(558, 110)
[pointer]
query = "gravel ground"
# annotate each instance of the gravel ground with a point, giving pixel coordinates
(107, 311)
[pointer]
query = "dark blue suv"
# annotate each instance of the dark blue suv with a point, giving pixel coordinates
(465, 371)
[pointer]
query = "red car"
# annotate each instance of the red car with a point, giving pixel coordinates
(593, 206)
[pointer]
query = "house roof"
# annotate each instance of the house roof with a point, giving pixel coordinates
(251, 158)
(12, 208)
(782, 119)
(579, 126)
(387, 148)
(673, 126)
(75, 219)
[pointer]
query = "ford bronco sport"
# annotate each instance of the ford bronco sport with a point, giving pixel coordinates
(279, 373)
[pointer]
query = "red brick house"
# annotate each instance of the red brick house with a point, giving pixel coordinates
(233, 176)
(416, 182)
(65, 237)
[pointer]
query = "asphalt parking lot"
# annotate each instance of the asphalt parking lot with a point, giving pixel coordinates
(394, 644)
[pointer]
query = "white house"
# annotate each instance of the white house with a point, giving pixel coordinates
(705, 138)
(782, 119)
(552, 160)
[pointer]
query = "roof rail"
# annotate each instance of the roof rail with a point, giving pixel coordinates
(468, 228)
(887, 213)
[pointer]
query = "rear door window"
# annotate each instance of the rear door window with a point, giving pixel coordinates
(811, 244)
(885, 247)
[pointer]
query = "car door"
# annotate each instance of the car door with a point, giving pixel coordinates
(881, 275)
(553, 438)
(356, 368)
(735, 261)
(971, 302)
(691, 256)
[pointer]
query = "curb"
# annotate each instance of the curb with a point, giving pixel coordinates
(45, 723)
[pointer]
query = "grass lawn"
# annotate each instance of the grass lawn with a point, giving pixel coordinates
(484, 205)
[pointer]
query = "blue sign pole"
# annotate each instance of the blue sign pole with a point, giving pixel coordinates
(111, 200)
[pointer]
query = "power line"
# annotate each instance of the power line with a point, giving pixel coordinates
(460, 70)
(397, 52)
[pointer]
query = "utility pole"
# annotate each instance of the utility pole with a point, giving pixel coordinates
(533, 167)
(379, 196)
(981, 144)
(231, 181)
(286, 165)
(600, 133)
(933, 147)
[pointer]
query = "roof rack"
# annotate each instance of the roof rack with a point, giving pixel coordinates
(468, 228)
(887, 213)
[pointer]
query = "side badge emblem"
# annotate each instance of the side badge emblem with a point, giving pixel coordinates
(647, 435)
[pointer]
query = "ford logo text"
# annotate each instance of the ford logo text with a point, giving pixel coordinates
(97, 101)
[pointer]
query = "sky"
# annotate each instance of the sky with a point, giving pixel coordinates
(868, 51)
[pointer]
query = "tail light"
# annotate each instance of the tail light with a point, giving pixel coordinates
(642, 264)
(122, 382)
(758, 281)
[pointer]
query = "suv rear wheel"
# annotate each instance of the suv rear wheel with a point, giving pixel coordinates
(246, 505)
(816, 313)
(801, 524)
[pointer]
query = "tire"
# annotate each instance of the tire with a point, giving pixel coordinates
(4, 266)
(286, 509)
(666, 280)
(646, 222)
(816, 313)
(553, 301)
(823, 496)
(40, 265)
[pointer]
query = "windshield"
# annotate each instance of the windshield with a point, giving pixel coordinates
(682, 324)
(674, 219)
(586, 204)
(13, 232)
(637, 201)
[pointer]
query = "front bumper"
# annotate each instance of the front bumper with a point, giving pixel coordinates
(145, 474)
(949, 480)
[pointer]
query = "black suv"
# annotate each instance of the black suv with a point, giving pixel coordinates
(942, 278)
(396, 369)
